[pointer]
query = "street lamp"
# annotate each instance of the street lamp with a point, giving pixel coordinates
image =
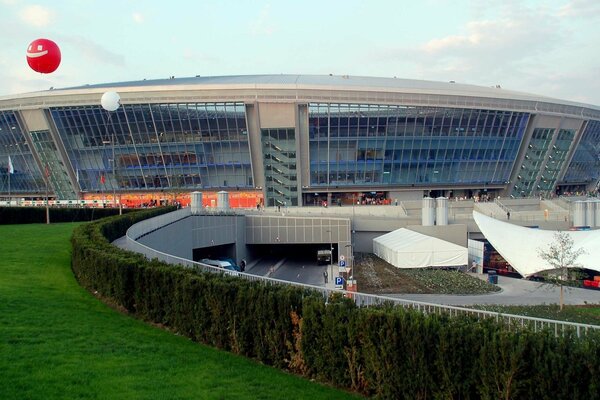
(351, 260)
(114, 184)
(111, 101)
(330, 253)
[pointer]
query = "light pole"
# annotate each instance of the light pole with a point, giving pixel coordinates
(111, 101)
(114, 174)
(351, 260)
(330, 254)
(113, 170)
(47, 177)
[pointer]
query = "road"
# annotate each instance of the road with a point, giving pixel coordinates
(302, 271)
(514, 292)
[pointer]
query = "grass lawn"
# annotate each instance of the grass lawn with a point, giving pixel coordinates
(589, 314)
(59, 342)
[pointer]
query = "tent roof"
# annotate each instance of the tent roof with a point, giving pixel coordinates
(404, 248)
(520, 245)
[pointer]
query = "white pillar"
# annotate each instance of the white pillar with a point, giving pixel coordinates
(223, 200)
(428, 212)
(441, 211)
(590, 213)
(578, 213)
(196, 202)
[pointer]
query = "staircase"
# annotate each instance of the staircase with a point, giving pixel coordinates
(491, 209)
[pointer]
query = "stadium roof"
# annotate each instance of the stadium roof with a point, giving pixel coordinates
(309, 88)
(333, 82)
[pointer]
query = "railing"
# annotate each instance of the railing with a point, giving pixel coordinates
(559, 328)
(502, 206)
(403, 208)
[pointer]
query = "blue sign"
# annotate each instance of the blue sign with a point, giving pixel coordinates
(342, 263)
(339, 281)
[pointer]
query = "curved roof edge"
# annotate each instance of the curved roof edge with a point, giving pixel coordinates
(520, 245)
(324, 82)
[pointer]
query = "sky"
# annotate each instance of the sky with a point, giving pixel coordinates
(549, 47)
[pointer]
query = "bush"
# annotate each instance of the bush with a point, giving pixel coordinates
(386, 352)
(37, 215)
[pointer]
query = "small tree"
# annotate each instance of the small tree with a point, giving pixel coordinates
(563, 258)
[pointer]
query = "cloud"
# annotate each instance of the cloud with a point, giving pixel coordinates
(37, 16)
(262, 24)
(138, 18)
(529, 49)
(580, 8)
(486, 47)
(92, 51)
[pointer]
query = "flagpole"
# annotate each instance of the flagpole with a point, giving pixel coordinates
(10, 169)
(47, 206)
(47, 176)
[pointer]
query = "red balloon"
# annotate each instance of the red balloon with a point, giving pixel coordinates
(43, 55)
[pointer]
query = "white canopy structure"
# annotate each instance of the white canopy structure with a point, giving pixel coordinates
(520, 246)
(404, 248)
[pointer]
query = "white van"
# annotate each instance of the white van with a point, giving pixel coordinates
(226, 265)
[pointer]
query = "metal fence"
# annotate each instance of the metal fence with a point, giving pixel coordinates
(559, 328)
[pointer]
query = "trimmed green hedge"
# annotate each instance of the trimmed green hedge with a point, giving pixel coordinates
(386, 352)
(37, 215)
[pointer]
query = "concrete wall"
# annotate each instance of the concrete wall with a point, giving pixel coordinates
(363, 241)
(301, 230)
(216, 230)
(277, 115)
(409, 195)
(181, 238)
(174, 239)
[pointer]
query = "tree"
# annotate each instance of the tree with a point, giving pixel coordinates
(562, 257)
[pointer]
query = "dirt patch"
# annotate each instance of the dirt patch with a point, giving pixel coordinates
(374, 275)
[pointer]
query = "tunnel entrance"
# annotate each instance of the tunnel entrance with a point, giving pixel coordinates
(297, 252)
(215, 252)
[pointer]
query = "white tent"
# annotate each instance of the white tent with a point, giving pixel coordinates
(520, 246)
(404, 248)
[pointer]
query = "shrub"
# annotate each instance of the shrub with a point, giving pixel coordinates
(386, 352)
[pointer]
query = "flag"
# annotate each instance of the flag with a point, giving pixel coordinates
(11, 169)
(77, 175)
(47, 171)
(102, 179)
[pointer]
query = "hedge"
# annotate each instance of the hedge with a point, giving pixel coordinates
(37, 215)
(385, 352)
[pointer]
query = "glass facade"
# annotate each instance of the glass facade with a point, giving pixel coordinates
(279, 152)
(544, 159)
(585, 164)
(378, 145)
(556, 160)
(54, 168)
(27, 177)
(205, 146)
(157, 146)
(534, 158)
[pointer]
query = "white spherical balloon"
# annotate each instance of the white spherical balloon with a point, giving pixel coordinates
(110, 101)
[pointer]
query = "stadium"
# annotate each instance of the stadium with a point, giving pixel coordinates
(294, 140)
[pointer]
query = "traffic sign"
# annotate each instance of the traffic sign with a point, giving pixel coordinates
(342, 263)
(342, 258)
(339, 282)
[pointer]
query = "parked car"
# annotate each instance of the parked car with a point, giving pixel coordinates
(220, 264)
